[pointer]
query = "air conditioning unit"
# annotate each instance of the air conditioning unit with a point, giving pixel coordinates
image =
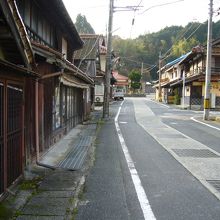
(99, 98)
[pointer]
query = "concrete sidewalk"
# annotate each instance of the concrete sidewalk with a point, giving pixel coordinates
(51, 191)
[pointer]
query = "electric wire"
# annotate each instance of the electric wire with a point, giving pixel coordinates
(166, 55)
(94, 45)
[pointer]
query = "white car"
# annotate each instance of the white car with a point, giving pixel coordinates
(118, 94)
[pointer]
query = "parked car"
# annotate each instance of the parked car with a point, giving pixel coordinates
(118, 94)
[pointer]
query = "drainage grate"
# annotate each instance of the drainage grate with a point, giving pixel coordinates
(200, 153)
(92, 126)
(88, 132)
(84, 141)
(75, 159)
(215, 184)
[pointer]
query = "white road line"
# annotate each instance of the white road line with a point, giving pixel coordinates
(142, 197)
(159, 103)
(204, 123)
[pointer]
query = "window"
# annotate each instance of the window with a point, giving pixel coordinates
(40, 26)
(27, 13)
(34, 18)
(63, 105)
(44, 30)
(64, 48)
(56, 109)
(21, 7)
(217, 61)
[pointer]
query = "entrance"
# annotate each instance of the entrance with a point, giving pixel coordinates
(11, 133)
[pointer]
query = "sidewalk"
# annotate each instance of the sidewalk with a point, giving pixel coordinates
(214, 116)
(51, 190)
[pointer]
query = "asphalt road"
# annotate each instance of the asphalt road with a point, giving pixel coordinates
(171, 190)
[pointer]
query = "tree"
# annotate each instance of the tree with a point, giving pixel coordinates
(146, 48)
(183, 46)
(135, 78)
(83, 26)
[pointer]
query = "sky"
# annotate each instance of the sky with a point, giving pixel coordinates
(152, 16)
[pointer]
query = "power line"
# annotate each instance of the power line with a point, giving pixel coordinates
(135, 61)
(166, 55)
(159, 5)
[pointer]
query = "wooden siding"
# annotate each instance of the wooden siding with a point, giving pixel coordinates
(38, 25)
(11, 127)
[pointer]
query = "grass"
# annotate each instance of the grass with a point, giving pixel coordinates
(5, 213)
(74, 213)
(30, 184)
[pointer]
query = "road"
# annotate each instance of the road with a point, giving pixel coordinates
(153, 162)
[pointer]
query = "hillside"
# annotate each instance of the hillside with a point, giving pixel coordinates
(171, 41)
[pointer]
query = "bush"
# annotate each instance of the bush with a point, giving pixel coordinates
(177, 99)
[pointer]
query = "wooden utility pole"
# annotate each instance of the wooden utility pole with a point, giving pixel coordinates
(208, 65)
(159, 92)
(108, 63)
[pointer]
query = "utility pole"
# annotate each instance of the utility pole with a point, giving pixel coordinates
(142, 79)
(108, 63)
(112, 9)
(208, 65)
(183, 91)
(159, 92)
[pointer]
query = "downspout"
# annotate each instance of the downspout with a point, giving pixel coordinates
(37, 115)
(37, 129)
(36, 122)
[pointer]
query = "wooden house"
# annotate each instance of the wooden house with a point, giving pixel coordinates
(17, 64)
(42, 93)
(194, 67)
(184, 78)
(170, 74)
(92, 60)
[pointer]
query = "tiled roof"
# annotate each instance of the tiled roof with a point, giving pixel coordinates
(90, 47)
(68, 65)
(93, 45)
(121, 80)
(118, 76)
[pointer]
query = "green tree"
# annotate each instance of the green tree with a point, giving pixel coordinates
(146, 48)
(83, 26)
(183, 46)
(135, 78)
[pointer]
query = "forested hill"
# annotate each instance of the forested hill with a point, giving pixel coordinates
(172, 41)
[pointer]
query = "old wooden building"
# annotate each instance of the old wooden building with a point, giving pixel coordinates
(42, 93)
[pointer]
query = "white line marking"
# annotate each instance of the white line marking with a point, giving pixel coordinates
(142, 197)
(204, 123)
(159, 103)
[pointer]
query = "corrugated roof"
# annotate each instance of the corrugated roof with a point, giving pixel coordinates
(175, 61)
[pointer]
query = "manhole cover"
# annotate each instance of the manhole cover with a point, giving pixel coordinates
(200, 153)
(215, 184)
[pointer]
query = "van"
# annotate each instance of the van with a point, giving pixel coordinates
(118, 94)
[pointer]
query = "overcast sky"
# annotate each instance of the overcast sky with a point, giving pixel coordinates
(154, 19)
